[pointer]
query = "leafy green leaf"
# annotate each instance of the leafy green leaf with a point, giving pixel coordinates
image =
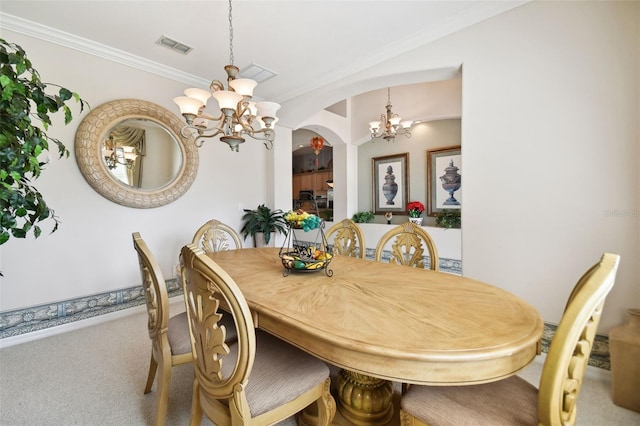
(25, 108)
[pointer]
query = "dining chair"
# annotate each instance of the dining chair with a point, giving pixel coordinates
(514, 401)
(407, 246)
(215, 236)
(170, 342)
(258, 380)
(347, 239)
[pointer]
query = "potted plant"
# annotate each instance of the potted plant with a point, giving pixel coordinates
(415, 209)
(449, 219)
(261, 223)
(23, 103)
(363, 217)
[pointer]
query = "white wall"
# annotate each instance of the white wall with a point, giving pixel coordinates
(550, 136)
(550, 140)
(550, 148)
(92, 252)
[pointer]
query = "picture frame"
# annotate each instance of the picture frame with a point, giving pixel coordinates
(443, 186)
(390, 183)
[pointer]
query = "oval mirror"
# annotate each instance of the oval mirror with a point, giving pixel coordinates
(132, 153)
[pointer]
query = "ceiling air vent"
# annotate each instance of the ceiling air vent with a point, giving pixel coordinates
(257, 73)
(174, 45)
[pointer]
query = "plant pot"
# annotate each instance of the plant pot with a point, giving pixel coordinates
(258, 240)
(416, 220)
(624, 347)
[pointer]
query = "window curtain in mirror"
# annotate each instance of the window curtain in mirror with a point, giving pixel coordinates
(133, 137)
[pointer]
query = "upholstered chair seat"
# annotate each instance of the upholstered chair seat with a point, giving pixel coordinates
(280, 373)
(509, 402)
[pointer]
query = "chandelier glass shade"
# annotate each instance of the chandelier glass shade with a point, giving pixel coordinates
(239, 115)
(390, 124)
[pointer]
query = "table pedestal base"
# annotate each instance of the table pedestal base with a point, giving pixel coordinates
(364, 400)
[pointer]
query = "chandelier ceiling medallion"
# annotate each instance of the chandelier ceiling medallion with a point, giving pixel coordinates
(390, 124)
(239, 116)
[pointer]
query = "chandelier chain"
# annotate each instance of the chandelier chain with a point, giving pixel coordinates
(230, 34)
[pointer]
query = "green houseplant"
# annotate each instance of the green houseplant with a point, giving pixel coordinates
(449, 218)
(22, 142)
(363, 217)
(263, 220)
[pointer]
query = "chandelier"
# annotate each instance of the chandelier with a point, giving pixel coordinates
(389, 125)
(239, 115)
(317, 143)
(115, 154)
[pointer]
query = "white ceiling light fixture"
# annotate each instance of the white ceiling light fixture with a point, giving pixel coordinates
(390, 124)
(239, 115)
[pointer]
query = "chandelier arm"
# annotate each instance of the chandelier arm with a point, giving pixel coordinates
(216, 85)
(265, 135)
(202, 135)
(189, 131)
(262, 134)
(241, 108)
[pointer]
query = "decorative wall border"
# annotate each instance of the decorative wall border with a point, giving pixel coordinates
(35, 318)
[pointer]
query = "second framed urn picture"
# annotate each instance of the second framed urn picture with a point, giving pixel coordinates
(390, 183)
(444, 179)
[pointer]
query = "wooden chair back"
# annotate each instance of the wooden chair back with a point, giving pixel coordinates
(408, 244)
(167, 350)
(347, 239)
(222, 372)
(215, 236)
(566, 362)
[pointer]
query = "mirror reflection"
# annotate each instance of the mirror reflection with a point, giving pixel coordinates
(131, 152)
(141, 154)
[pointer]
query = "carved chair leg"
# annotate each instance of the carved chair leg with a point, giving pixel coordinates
(153, 366)
(326, 405)
(162, 388)
(196, 409)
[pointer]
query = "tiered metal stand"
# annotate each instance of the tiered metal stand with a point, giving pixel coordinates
(305, 256)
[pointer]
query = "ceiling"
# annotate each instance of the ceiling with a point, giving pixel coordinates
(309, 44)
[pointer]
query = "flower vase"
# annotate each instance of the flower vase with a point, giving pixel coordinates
(416, 220)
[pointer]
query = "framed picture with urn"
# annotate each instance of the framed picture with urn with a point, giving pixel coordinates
(444, 179)
(390, 183)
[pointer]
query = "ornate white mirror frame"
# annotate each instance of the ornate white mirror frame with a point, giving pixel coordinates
(89, 145)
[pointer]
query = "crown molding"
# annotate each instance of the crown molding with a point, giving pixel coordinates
(52, 35)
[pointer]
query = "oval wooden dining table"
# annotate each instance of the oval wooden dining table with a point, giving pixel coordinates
(384, 323)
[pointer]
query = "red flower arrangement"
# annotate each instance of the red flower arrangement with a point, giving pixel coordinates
(415, 208)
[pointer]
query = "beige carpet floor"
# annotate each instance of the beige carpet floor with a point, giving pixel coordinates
(96, 376)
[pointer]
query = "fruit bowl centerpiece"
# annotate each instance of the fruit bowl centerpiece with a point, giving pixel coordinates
(305, 256)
